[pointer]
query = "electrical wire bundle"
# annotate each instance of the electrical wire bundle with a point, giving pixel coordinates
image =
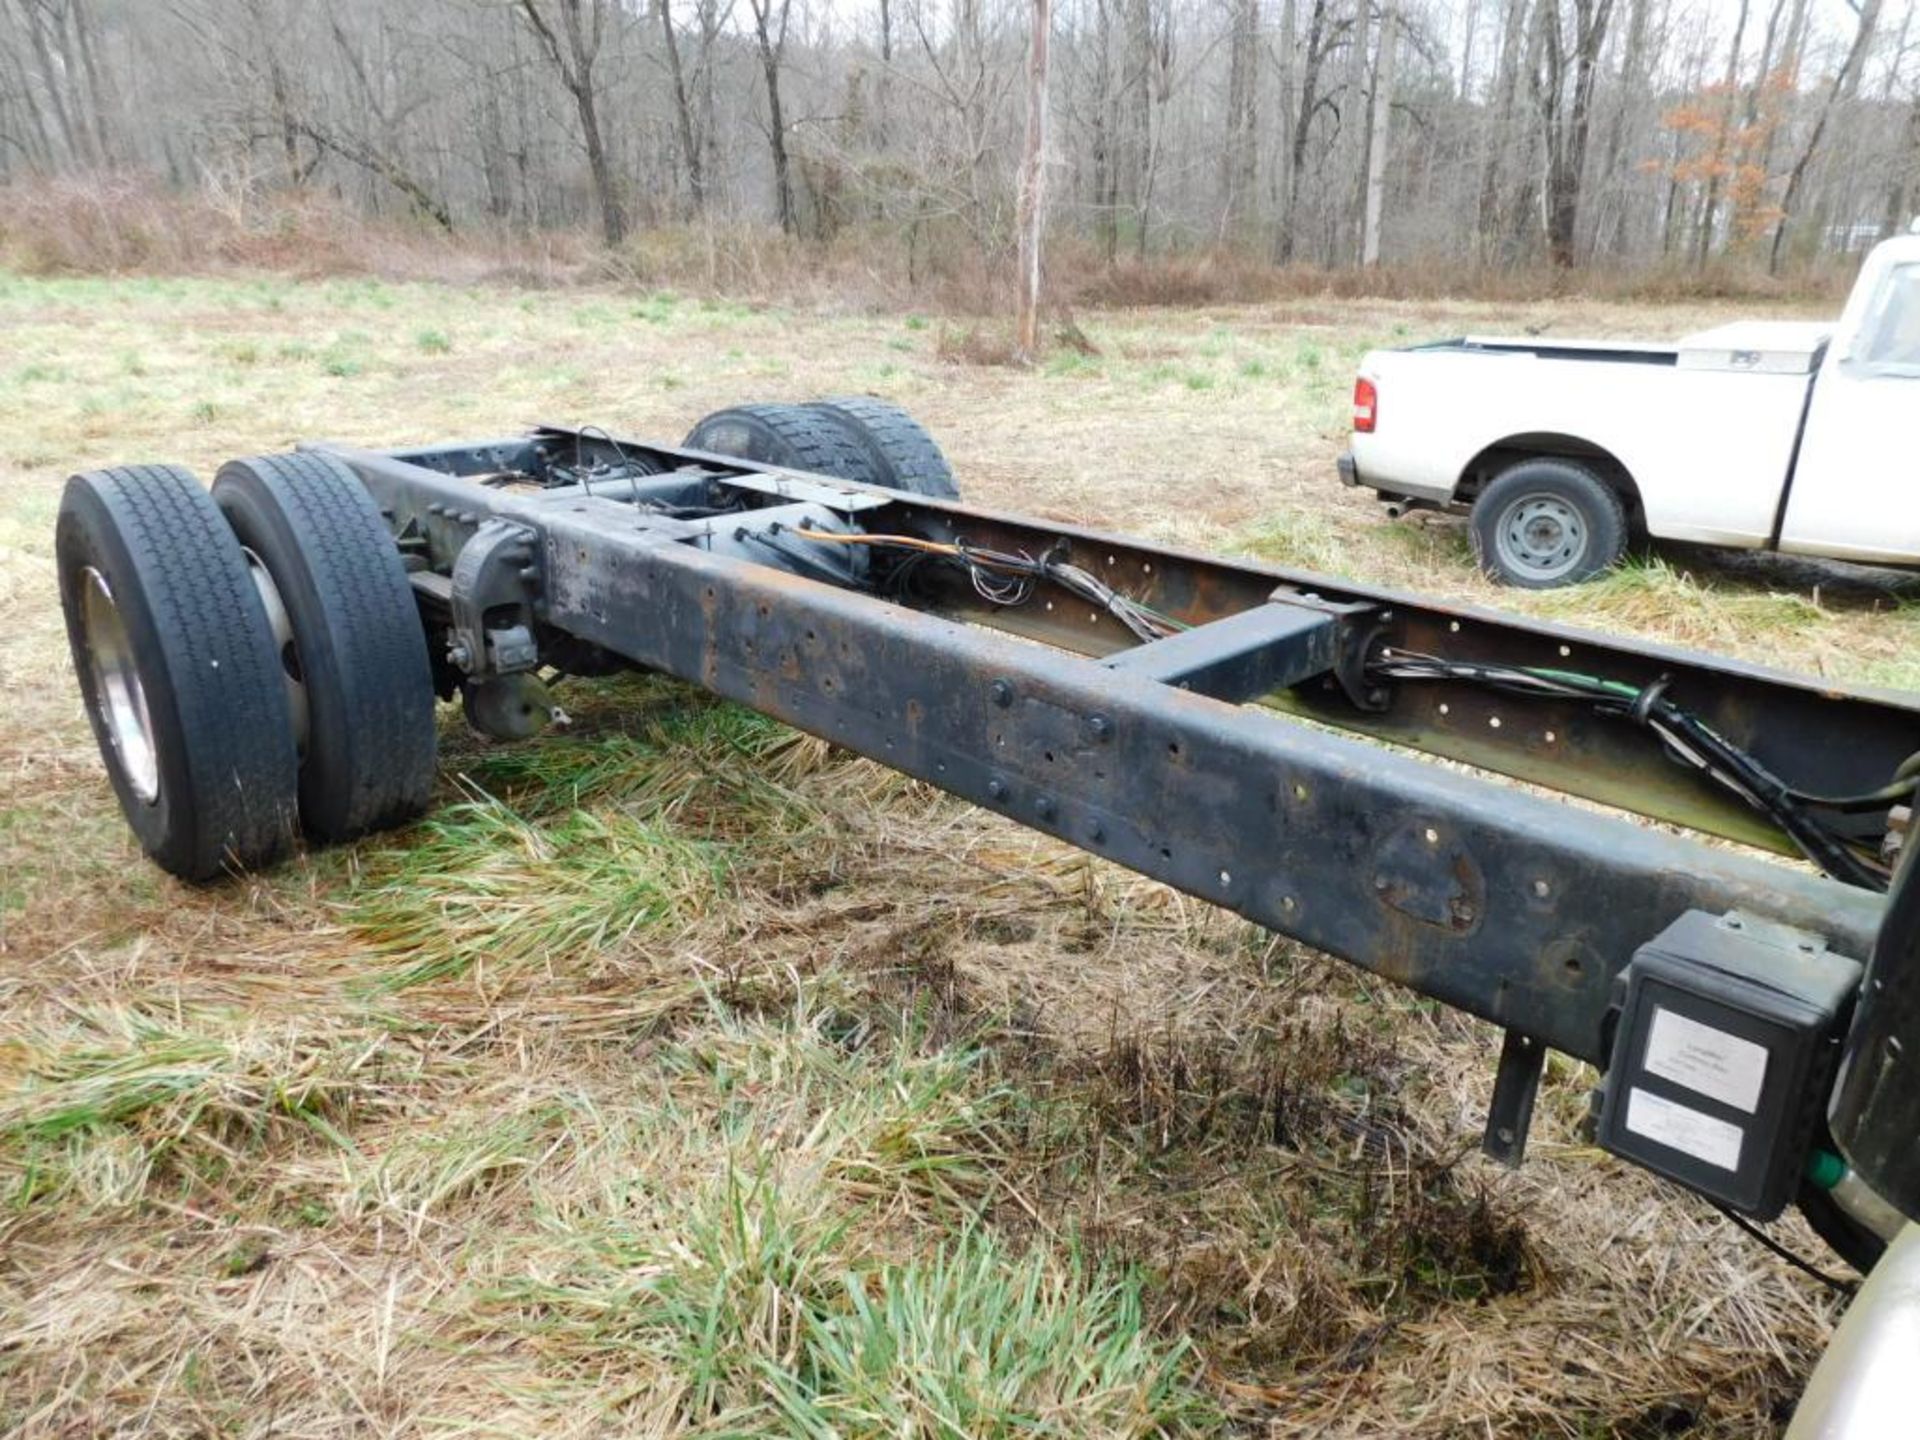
(1003, 577)
(1693, 743)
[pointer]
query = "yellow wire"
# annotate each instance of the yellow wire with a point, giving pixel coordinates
(912, 542)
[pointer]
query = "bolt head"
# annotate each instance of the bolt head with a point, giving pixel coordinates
(1002, 693)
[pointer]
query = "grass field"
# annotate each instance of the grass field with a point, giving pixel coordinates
(680, 1074)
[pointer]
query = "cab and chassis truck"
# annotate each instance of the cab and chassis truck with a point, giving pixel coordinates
(261, 663)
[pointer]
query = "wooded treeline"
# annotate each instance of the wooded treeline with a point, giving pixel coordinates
(1334, 132)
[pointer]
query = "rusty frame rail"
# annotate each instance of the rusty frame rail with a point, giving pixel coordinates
(1515, 907)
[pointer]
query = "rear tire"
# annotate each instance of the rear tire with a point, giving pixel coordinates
(1545, 523)
(355, 650)
(177, 670)
(902, 452)
(792, 437)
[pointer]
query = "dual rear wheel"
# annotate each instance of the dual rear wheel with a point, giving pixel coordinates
(852, 437)
(251, 660)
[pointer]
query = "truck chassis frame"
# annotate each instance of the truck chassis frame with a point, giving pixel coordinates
(1518, 908)
(1258, 744)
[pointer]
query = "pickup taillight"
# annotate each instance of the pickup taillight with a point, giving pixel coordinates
(1366, 406)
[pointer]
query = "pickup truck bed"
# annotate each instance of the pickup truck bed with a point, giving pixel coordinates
(1723, 406)
(1790, 435)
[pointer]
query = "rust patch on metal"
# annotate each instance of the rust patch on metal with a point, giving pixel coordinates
(1451, 895)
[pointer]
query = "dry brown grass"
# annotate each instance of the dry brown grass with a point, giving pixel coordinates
(343, 1149)
(120, 225)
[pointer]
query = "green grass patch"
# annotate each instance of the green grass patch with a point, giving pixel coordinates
(573, 845)
(1063, 364)
(660, 308)
(126, 1097)
(800, 1253)
(482, 883)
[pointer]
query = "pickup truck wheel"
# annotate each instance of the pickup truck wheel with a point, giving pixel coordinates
(351, 646)
(905, 455)
(177, 670)
(793, 437)
(1545, 523)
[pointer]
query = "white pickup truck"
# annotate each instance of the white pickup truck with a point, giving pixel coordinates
(1792, 436)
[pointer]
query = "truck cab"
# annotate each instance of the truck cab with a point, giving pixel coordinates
(1851, 493)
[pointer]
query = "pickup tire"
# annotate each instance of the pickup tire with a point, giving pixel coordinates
(177, 668)
(349, 638)
(1545, 523)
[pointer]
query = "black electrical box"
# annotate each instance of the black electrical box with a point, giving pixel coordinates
(1728, 1032)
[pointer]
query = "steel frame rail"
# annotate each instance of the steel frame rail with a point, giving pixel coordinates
(1513, 907)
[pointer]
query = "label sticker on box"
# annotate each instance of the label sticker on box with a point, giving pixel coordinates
(1692, 1132)
(1720, 1066)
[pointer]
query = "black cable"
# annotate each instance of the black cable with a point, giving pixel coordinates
(845, 578)
(1687, 739)
(1004, 578)
(1799, 1262)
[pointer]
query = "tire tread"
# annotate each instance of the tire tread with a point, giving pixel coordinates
(807, 440)
(217, 655)
(909, 458)
(378, 655)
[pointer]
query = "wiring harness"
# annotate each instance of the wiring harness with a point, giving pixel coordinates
(1693, 743)
(1008, 578)
(1003, 577)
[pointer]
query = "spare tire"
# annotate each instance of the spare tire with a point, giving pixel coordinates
(177, 669)
(792, 437)
(902, 452)
(351, 645)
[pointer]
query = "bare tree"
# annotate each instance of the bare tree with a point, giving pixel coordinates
(1845, 81)
(1239, 154)
(1377, 137)
(1563, 81)
(770, 35)
(1317, 47)
(1033, 181)
(583, 23)
(690, 155)
(1723, 140)
(369, 135)
(1499, 137)
(1492, 131)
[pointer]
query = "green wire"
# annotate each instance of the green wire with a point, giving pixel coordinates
(1573, 677)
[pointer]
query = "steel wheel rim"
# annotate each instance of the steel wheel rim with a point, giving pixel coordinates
(119, 699)
(285, 651)
(1540, 536)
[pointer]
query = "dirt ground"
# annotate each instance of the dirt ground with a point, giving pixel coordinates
(681, 1075)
